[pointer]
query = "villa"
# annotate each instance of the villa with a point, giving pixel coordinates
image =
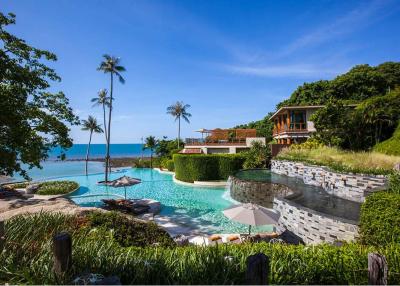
(292, 124)
(221, 141)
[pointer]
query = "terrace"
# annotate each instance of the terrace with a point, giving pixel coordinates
(222, 140)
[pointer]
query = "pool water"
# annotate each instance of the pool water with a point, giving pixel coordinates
(197, 208)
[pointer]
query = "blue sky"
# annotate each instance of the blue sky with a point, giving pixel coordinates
(232, 61)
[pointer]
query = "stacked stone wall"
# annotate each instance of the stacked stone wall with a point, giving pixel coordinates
(352, 187)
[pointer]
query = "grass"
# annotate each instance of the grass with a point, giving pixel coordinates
(27, 258)
(343, 161)
(390, 146)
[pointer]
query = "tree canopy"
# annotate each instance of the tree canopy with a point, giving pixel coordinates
(32, 119)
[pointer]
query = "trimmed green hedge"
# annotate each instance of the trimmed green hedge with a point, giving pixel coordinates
(57, 187)
(380, 219)
(190, 168)
(170, 165)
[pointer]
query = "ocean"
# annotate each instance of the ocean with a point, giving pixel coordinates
(78, 151)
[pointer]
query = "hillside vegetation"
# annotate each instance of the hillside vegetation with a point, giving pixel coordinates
(390, 146)
(342, 161)
(360, 128)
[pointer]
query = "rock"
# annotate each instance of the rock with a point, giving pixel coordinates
(109, 280)
(397, 167)
(32, 188)
(181, 240)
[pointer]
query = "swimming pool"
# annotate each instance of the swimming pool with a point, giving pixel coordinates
(197, 208)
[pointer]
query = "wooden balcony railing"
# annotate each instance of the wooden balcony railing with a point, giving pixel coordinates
(204, 142)
(293, 127)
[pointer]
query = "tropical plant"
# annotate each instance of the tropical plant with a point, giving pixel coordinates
(258, 156)
(104, 101)
(110, 65)
(178, 110)
(90, 125)
(150, 143)
(32, 119)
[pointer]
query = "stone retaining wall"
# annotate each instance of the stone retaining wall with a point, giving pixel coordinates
(348, 186)
(261, 193)
(313, 227)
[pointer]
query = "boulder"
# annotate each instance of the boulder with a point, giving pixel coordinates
(32, 188)
(181, 240)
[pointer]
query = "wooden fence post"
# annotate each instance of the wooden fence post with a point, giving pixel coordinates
(62, 250)
(257, 269)
(2, 234)
(377, 269)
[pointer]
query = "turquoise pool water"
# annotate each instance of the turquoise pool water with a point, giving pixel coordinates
(194, 207)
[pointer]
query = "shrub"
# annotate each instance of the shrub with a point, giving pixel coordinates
(57, 187)
(128, 232)
(394, 183)
(311, 143)
(380, 220)
(258, 156)
(190, 168)
(342, 161)
(390, 146)
(27, 258)
(170, 165)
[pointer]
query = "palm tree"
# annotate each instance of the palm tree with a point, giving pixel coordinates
(178, 110)
(110, 65)
(103, 100)
(150, 143)
(91, 125)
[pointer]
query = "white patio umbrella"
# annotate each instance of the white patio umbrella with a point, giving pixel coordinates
(124, 182)
(251, 214)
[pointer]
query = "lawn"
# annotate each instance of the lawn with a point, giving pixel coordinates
(343, 161)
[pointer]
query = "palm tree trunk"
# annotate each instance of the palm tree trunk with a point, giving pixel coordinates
(109, 130)
(104, 121)
(87, 152)
(179, 130)
(151, 158)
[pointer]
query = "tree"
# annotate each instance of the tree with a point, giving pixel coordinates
(258, 156)
(150, 143)
(90, 125)
(103, 100)
(178, 110)
(32, 119)
(110, 65)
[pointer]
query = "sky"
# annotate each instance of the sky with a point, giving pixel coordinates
(232, 60)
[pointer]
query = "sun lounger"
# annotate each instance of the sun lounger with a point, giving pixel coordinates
(214, 239)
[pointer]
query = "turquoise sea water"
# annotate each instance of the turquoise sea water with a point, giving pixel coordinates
(78, 151)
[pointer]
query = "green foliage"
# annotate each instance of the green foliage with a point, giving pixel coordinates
(390, 146)
(32, 119)
(341, 160)
(394, 183)
(57, 187)
(360, 128)
(166, 148)
(27, 258)
(264, 127)
(190, 168)
(380, 220)
(128, 232)
(258, 156)
(311, 143)
(168, 164)
(360, 83)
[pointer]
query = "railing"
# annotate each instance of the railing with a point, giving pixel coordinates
(204, 142)
(293, 127)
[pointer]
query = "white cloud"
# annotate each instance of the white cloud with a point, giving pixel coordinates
(283, 70)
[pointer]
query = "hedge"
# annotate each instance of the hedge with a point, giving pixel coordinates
(380, 219)
(190, 168)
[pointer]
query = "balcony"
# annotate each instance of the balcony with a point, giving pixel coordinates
(218, 142)
(292, 128)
